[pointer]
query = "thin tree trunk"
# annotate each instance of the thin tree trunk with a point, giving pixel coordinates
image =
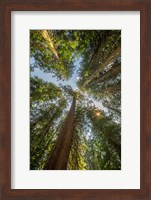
(114, 109)
(109, 60)
(60, 154)
(49, 42)
(43, 133)
(112, 73)
(111, 89)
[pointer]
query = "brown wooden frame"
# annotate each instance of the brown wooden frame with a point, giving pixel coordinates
(6, 6)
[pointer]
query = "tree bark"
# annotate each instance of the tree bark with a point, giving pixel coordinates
(59, 157)
(109, 60)
(50, 42)
(112, 73)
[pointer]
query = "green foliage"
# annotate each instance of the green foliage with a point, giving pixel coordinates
(45, 124)
(105, 143)
(42, 91)
(44, 56)
(96, 136)
(103, 69)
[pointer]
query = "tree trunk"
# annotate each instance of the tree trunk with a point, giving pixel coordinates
(60, 154)
(38, 140)
(108, 60)
(112, 73)
(49, 42)
(111, 89)
(114, 109)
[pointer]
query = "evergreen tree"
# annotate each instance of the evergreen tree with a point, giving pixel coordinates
(67, 129)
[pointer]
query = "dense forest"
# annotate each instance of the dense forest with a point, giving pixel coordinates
(75, 128)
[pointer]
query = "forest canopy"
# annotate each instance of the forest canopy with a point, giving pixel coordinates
(75, 99)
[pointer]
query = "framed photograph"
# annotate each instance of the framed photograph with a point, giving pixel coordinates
(75, 79)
